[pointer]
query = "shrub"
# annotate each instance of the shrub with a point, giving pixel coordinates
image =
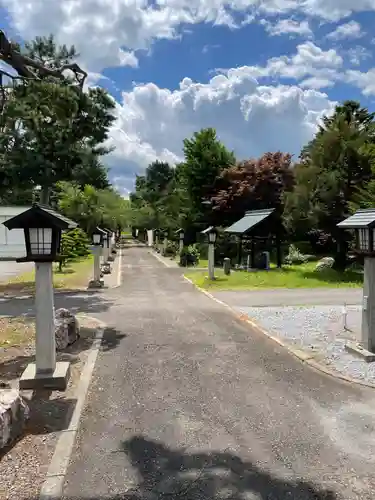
(189, 256)
(172, 249)
(74, 244)
(295, 256)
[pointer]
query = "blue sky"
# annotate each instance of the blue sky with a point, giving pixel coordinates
(261, 72)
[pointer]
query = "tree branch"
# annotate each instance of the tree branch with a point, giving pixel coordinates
(23, 64)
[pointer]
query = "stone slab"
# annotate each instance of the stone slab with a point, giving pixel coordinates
(57, 381)
(360, 351)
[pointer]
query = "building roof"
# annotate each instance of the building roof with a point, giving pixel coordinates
(207, 230)
(37, 215)
(249, 221)
(361, 219)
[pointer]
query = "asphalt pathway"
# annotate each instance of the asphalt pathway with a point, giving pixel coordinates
(189, 403)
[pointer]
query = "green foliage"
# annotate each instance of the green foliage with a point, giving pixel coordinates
(189, 256)
(205, 158)
(74, 244)
(295, 256)
(335, 175)
(172, 249)
(92, 207)
(51, 131)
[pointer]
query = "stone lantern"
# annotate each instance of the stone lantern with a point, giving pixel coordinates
(362, 224)
(211, 234)
(43, 227)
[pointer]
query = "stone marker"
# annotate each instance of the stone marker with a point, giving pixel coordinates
(66, 329)
(14, 413)
(226, 266)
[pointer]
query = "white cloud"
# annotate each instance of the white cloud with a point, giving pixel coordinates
(309, 60)
(250, 119)
(316, 83)
(352, 29)
(358, 54)
(287, 26)
(364, 80)
(109, 32)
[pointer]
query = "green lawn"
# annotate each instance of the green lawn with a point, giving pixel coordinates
(303, 276)
(75, 275)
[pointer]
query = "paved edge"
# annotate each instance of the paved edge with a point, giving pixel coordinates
(53, 485)
(160, 259)
(303, 356)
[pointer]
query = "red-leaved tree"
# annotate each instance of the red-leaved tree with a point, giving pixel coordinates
(252, 185)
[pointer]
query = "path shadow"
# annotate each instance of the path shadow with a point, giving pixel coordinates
(76, 301)
(15, 363)
(166, 473)
(111, 339)
(46, 415)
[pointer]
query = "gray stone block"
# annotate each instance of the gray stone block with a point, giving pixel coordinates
(361, 352)
(57, 381)
(14, 413)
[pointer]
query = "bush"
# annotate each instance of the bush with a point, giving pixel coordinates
(295, 256)
(172, 249)
(189, 256)
(74, 244)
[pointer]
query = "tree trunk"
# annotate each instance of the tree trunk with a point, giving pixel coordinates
(341, 253)
(45, 195)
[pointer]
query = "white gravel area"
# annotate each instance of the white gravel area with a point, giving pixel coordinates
(319, 330)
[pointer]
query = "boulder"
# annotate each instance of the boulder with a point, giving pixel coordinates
(14, 413)
(325, 263)
(66, 328)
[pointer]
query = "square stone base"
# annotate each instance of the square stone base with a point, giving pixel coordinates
(56, 381)
(361, 352)
(96, 284)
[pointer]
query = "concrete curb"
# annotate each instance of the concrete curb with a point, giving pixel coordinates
(160, 259)
(53, 485)
(303, 356)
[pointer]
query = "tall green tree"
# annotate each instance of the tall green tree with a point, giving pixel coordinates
(52, 130)
(92, 207)
(205, 158)
(338, 164)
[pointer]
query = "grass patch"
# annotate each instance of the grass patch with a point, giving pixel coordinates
(16, 331)
(75, 275)
(302, 276)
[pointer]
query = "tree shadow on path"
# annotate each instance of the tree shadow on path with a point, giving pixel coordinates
(174, 474)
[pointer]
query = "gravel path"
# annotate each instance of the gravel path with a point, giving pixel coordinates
(319, 330)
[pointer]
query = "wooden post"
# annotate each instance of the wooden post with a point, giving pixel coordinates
(278, 251)
(252, 253)
(240, 250)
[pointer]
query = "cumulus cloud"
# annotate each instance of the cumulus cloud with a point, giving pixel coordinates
(110, 32)
(309, 60)
(364, 80)
(250, 118)
(349, 30)
(287, 27)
